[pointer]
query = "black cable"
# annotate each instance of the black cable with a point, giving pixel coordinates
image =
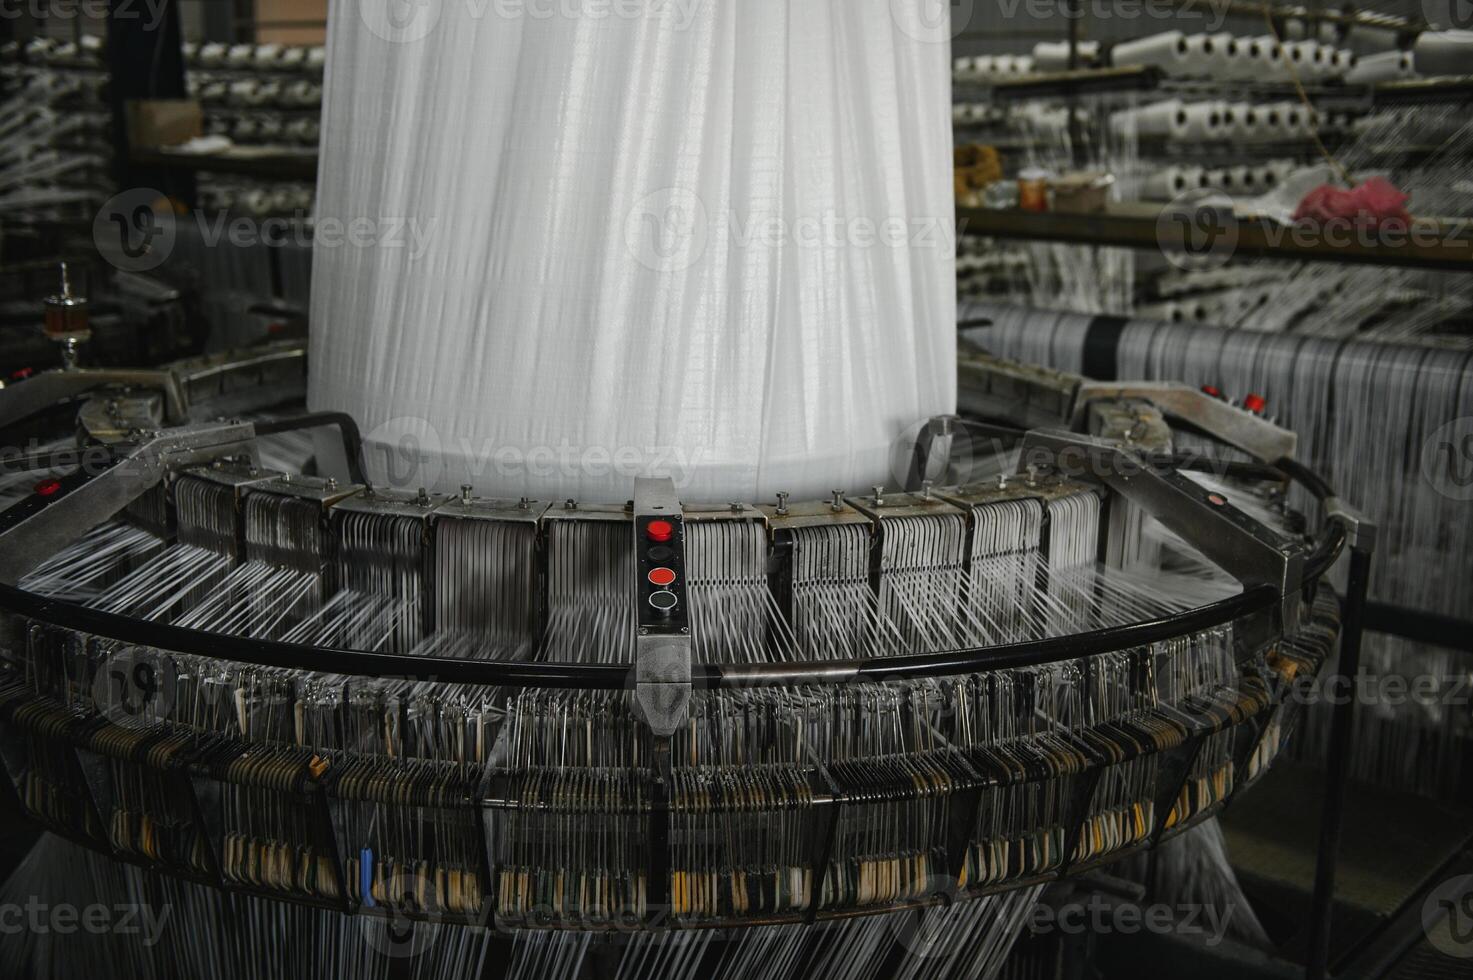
(1420, 626)
(342, 421)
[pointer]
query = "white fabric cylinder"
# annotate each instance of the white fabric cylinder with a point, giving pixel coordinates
(302, 130)
(267, 57)
(1241, 181)
(978, 68)
(1271, 56)
(1054, 55)
(970, 113)
(1444, 53)
(1387, 66)
(1368, 40)
(1228, 113)
(1223, 56)
(1204, 121)
(1202, 57)
(1171, 182)
(1170, 51)
(1247, 61)
(713, 241)
(1246, 127)
(1302, 56)
(1167, 118)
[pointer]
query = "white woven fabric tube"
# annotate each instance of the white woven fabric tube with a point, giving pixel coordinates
(1387, 66)
(1171, 51)
(1443, 53)
(713, 240)
(1165, 118)
(1054, 55)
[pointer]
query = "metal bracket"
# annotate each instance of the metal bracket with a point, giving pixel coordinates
(937, 428)
(1036, 397)
(114, 420)
(20, 401)
(1237, 427)
(1131, 422)
(44, 523)
(1024, 394)
(1361, 533)
(185, 391)
(1234, 541)
(662, 646)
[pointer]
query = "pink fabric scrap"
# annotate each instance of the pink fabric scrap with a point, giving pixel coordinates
(1373, 204)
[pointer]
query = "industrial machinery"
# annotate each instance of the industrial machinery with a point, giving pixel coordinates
(651, 718)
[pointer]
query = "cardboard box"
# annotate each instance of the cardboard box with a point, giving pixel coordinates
(162, 122)
(1082, 193)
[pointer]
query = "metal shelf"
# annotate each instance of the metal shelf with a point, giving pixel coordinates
(1109, 81)
(269, 165)
(1139, 226)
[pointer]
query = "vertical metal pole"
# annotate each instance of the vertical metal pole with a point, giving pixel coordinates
(659, 901)
(1071, 10)
(1337, 768)
(1071, 104)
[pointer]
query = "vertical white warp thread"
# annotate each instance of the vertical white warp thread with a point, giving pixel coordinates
(712, 241)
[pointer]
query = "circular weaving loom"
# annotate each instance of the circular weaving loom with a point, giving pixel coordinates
(269, 696)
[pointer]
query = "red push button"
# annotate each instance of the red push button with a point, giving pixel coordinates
(48, 488)
(661, 576)
(1255, 404)
(1212, 391)
(660, 531)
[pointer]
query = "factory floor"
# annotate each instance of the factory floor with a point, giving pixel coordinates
(1395, 850)
(16, 834)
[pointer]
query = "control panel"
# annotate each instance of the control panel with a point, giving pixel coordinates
(664, 604)
(662, 643)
